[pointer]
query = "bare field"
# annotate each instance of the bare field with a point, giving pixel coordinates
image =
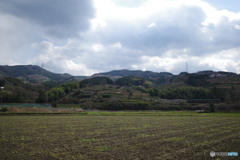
(117, 137)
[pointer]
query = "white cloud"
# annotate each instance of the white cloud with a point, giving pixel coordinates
(95, 23)
(58, 58)
(237, 26)
(97, 47)
(117, 45)
(151, 25)
(224, 60)
(157, 35)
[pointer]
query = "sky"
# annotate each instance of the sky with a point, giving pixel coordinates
(83, 37)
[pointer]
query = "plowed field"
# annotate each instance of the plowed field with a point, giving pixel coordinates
(117, 137)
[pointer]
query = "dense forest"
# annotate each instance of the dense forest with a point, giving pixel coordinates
(127, 93)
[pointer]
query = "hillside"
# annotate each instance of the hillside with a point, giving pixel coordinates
(31, 73)
(126, 72)
(15, 91)
(131, 92)
(136, 93)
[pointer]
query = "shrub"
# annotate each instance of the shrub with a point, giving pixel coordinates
(125, 105)
(3, 109)
(54, 104)
(106, 96)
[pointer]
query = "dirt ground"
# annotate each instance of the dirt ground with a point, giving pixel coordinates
(117, 137)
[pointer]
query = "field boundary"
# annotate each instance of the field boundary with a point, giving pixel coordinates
(111, 113)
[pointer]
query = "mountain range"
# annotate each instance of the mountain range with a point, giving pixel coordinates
(125, 72)
(36, 74)
(31, 73)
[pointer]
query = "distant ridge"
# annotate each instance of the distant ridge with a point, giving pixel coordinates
(36, 74)
(126, 72)
(30, 72)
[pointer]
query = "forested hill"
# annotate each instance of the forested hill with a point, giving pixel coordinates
(34, 74)
(30, 72)
(126, 72)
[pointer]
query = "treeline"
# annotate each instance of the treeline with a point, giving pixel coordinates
(135, 83)
(178, 93)
(58, 92)
(197, 80)
(142, 105)
(74, 92)
(15, 91)
(124, 105)
(129, 81)
(95, 81)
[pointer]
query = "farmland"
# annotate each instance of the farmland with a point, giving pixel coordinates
(117, 137)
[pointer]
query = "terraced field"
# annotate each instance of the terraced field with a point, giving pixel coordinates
(117, 137)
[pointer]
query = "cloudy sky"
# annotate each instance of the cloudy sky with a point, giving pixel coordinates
(83, 37)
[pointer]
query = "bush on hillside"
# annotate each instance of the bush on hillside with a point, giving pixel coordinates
(125, 105)
(3, 109)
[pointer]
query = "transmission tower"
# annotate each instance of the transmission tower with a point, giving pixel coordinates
(186, 67)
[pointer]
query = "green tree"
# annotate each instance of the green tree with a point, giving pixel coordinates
(130, 95)
(212, 107)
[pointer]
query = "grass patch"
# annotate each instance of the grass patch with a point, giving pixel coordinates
(101, 148)
(159, 113)
(198, 134)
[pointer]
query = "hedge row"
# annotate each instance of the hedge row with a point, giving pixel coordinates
(143, 105)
